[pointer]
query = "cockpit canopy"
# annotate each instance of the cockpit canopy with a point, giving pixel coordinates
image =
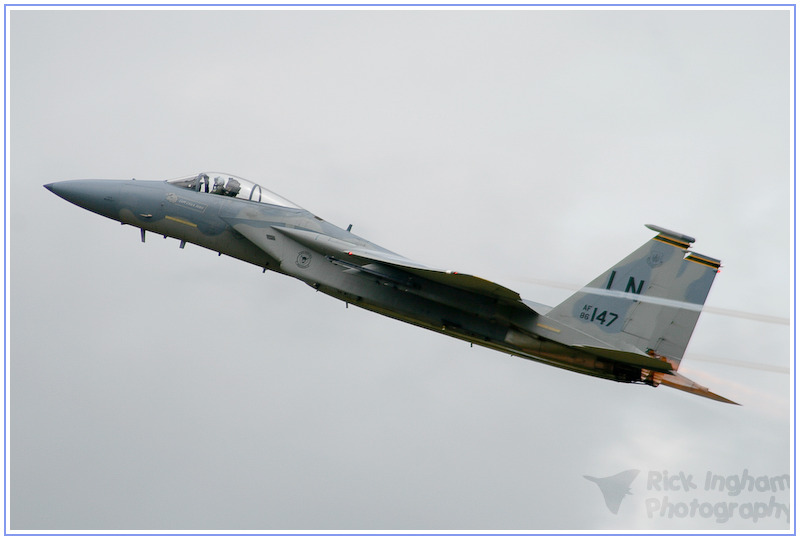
(227, 185)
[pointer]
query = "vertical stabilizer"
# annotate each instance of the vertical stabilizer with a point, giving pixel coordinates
(649, 302)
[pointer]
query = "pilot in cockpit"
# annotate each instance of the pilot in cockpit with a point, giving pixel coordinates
(219, 186)
(231, 190)
(233, 187)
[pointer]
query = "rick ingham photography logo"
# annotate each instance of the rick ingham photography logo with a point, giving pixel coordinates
(740, 497)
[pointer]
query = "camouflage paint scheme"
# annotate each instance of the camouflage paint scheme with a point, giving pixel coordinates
(631, 324)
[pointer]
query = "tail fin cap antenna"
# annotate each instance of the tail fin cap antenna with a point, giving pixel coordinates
(682, 238)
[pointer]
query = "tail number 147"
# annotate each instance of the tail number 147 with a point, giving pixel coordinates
(603, 318)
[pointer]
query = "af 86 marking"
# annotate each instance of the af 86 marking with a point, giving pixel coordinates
(603, 318)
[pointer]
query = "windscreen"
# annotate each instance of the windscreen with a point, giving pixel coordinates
(228, 185)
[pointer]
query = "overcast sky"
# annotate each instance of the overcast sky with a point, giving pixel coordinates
(157, 388)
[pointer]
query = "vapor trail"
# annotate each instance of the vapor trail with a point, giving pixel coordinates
(772, 319)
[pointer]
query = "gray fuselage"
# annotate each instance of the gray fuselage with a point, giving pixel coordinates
(276, 235)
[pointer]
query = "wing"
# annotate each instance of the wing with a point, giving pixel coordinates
(362, 257)
(451, 278)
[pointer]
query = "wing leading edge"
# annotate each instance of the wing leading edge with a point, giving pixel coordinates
(361, 255)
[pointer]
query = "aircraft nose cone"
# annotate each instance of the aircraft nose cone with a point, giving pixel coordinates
(97, 196)
(55, 188)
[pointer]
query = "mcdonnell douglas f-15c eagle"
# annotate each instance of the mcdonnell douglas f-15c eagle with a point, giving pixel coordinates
(631, 324)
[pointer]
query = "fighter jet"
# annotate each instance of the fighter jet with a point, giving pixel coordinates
(631, 324)
(614, 488)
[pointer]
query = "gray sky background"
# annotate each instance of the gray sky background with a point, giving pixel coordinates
(158, 388)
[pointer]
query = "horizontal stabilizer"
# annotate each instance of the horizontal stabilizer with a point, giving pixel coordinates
(678, 381)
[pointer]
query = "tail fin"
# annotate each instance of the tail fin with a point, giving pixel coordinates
(647, 303)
